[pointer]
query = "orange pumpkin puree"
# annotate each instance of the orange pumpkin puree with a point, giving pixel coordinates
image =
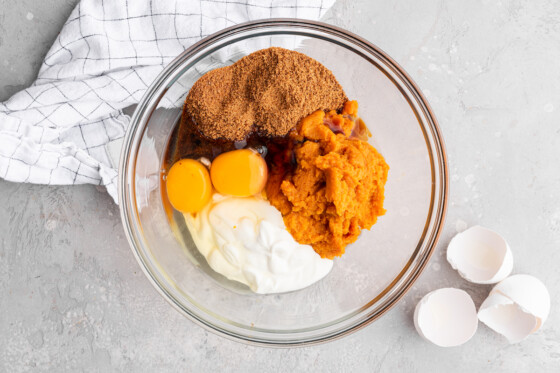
(335, 186)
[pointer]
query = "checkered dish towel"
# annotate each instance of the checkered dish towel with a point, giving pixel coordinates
(103, 60)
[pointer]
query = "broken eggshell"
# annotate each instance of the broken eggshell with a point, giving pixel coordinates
(446, 317)
(480, 255)
(516, 307)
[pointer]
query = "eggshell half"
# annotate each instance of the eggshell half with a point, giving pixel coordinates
(480, 255)
(516, 307)
(446, 317)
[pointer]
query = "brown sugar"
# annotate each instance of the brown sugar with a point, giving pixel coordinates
(336, 187)
(265, 93)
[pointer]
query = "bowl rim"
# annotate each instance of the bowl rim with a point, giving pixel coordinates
(132, 136)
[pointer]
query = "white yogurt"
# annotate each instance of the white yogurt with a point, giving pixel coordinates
(245, 240)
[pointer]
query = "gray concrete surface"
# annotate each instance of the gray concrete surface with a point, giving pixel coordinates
(73, 298)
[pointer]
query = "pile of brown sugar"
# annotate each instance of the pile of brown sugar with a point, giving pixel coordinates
(266, 92)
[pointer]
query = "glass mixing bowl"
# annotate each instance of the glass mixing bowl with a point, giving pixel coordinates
(376, 270)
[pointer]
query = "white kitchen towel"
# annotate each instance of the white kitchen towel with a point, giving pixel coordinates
(103, 60)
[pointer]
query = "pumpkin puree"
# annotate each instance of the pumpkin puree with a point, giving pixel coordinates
(335, 187)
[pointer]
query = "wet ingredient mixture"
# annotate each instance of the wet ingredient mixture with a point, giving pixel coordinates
(272, 170)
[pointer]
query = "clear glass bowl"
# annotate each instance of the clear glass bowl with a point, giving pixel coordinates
(375, 272)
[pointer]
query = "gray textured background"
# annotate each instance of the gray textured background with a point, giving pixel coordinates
(73, 298)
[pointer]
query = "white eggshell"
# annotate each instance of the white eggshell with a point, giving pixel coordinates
(480, 255)
(516, 307)
(446, 317)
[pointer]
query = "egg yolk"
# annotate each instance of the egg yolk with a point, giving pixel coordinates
(240, 173)
(188, 185)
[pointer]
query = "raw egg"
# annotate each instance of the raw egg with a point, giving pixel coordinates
(240, 173)
(188, 185)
